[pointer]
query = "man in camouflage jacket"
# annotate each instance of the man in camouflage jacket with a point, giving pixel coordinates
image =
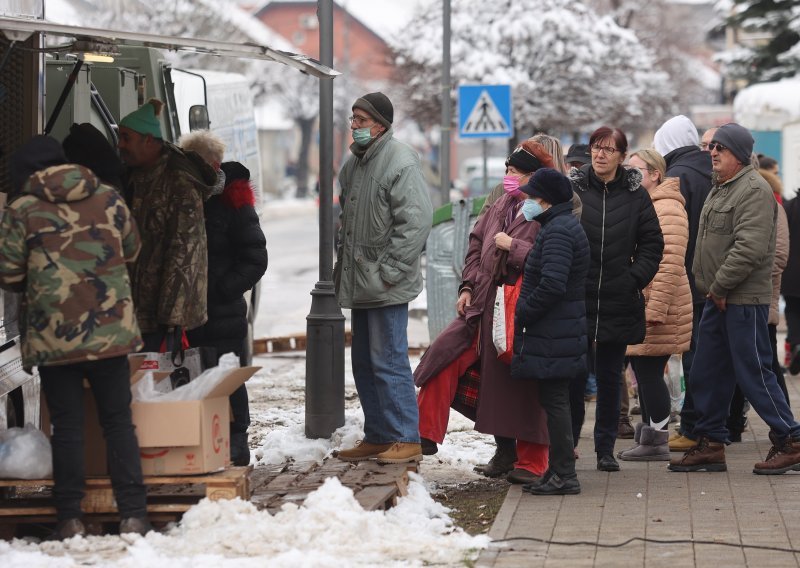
(64, 243)
(166, 190)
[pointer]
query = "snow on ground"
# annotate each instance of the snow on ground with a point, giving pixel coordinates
(329, 529)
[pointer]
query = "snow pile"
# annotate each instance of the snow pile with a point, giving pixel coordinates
(329, 529)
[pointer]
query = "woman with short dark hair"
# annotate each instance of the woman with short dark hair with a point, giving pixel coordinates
(626, 246)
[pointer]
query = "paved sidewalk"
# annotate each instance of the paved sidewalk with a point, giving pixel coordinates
(758, 515)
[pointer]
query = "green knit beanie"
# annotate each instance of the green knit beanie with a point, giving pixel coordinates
(143, 120)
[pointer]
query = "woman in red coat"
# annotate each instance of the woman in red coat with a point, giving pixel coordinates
(510, 410)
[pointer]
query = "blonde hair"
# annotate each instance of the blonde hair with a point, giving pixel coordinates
(654, 161)
(208, 145)
(553, 146)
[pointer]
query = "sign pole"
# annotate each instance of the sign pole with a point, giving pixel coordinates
(485, 148)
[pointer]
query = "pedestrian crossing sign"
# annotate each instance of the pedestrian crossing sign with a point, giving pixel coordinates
(484, 111)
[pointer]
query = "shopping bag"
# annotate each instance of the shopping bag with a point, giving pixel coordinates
(175, 357)
(503, 323)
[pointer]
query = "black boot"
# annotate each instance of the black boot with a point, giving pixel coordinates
(240, 451)
(503, 459)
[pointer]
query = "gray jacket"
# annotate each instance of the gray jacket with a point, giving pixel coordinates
(385, 220)
(736, 240)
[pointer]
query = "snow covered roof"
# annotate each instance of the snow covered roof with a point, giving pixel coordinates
(768, 106)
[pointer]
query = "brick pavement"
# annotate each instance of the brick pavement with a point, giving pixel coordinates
(735, 507)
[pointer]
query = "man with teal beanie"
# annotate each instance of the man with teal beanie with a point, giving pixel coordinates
(166, 190)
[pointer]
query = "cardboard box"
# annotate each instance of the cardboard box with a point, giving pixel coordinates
(187, 437)
(175, 438)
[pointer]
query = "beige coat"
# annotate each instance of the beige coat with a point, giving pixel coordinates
(668, 299)
(781, 246)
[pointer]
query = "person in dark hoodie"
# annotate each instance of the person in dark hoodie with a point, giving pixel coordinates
(677, 140)
(237, 259)
(65, 242)
(87, 146)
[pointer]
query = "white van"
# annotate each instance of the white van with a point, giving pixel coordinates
(470, 177)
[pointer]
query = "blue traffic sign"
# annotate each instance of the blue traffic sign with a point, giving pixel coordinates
(484, 111)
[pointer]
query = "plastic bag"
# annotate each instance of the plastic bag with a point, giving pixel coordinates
(25, 453)
(148, 390)
(674, 379)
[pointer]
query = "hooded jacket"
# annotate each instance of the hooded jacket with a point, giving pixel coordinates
(625, 245)
(169, 278)
(385, 220)
(64, 243)
(237, 259)
(693, 168)
(668, 304)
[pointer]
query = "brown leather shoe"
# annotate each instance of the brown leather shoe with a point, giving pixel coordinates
(400, 452)
(67, 529)
(625, 429)
(362, 451)
(705, 456)
(782, 457)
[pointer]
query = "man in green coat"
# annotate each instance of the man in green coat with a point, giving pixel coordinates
(385, 220)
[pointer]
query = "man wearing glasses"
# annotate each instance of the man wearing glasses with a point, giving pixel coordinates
(733, 267)
(385, 220)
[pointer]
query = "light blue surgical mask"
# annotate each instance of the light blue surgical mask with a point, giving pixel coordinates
(531, 209)
(362, 136)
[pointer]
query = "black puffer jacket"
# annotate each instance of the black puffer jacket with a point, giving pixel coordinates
(693, 167)
(237, 259)
(790, 283)
(550, 323)
(626, 246)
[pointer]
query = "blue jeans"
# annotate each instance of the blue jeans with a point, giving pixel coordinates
(383, 374)
(733, 348)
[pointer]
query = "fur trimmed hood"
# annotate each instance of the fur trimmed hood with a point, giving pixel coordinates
(239, 193)
(631, 179)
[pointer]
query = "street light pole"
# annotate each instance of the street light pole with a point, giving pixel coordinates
(325, 322)
(447, 119)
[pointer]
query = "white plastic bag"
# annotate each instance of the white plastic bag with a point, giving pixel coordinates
(147, 389)
(25, 453)
(499, 321)
(674, 378)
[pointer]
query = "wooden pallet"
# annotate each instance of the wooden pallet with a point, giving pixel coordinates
(26, 500)
(374, 486)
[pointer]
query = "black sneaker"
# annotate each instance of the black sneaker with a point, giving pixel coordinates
(794, 362)
(555, 485)
(138, 525)
(67, 529)
(429, 447)
(607, 463)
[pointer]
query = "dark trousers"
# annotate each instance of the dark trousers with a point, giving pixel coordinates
(606, 360)
(63, 390)
(737, 416)
(654, 397)
(792, 315)
(733, 348)
(688, 414)
(554, 396)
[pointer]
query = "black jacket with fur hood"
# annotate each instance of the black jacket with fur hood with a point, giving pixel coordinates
(625, 244)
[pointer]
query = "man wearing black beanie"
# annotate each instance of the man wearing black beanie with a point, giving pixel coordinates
(733, 267)
(385, 220)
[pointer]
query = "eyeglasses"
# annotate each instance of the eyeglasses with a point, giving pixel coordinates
(359, 120)
(716, 146)
(608, 150)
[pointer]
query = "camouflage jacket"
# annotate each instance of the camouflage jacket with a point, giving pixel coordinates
(64, 243)
(170, 276)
